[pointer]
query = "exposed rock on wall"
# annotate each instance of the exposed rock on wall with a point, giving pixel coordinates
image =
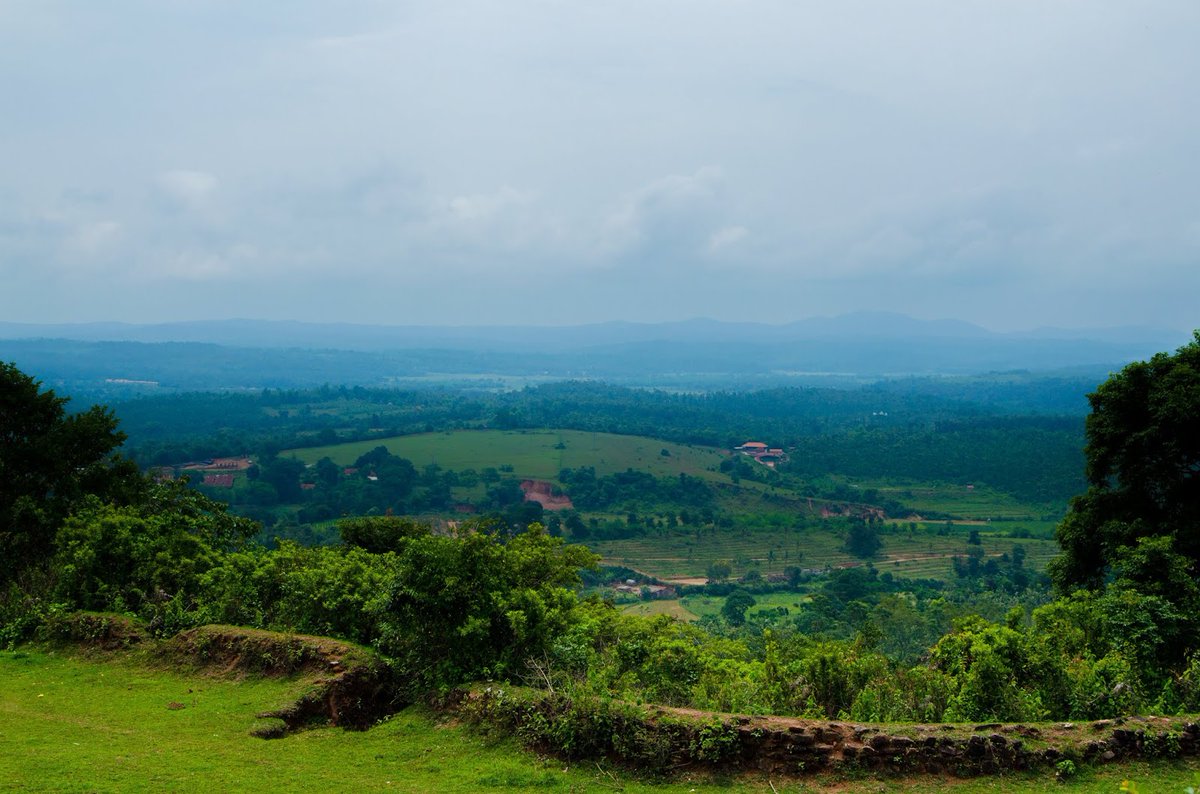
(671, 739)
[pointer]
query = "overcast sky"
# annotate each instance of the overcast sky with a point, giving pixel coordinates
(1014, 164)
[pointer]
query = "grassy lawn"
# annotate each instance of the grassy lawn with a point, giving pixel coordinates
(74, 724)
(533, 453)
(70, 724)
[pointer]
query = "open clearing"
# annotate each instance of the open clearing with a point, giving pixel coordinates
(73, 724)
(537, 454)
(671, 606)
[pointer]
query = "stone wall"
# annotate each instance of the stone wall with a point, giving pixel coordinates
(658, 738)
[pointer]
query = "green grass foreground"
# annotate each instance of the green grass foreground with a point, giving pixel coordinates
(70, 723)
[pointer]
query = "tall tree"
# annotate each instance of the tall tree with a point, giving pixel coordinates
(49, 461)
(1143, 472)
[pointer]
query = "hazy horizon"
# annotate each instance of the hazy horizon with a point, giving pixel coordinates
(450, 324)
(1015, 166)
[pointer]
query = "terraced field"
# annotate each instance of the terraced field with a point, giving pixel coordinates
(966, 500)
(910, 555)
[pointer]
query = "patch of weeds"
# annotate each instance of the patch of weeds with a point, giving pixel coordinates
(1162, 745)
(715, 742)
(520, 780)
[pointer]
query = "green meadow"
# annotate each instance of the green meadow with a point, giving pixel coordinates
(75, 724)
(538, 454)
(702, 605)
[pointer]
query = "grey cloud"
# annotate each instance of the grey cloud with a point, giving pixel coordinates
(187, 188)
(1013, 164)
(674, 215)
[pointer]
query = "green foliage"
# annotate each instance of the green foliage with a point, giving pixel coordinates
(917, 694)
(998, 674)
(1143, 469)
(863, 540)
(327, 591)
(719, 570)
(600, 492)
(586, 726)
(146, 559)
(208, 519)
(380, 533)
(49, 462)
(488, 603)
(119, 559)
(461, 608)
(735, 606)
(1181, 694)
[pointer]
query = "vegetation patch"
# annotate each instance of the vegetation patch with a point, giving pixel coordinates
(103, 631)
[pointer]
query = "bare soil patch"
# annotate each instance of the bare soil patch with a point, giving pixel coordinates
(542, 492)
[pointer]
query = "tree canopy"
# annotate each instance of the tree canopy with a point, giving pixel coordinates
(1143, 473)
(49, 461)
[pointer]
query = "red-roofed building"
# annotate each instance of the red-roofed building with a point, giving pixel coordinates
(768, 456)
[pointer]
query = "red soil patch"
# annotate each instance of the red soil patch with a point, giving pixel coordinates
(543, 493)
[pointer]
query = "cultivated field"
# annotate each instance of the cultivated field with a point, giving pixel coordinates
(916, 555)
(965, 500)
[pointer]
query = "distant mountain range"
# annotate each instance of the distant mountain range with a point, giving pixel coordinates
(690, 354)
(350, 336)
